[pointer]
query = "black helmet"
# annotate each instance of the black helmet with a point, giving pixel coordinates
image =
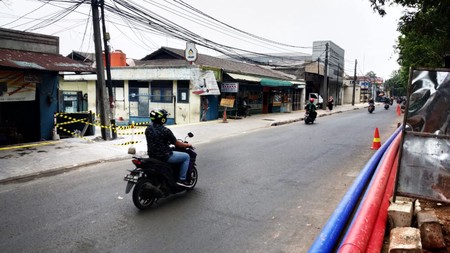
(159, 116)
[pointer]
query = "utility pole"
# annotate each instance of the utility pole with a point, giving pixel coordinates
(318, 65)
(102, 105)
(325, 76)
(354, 84)
(337, 85)
(318, 77)
(108, 72)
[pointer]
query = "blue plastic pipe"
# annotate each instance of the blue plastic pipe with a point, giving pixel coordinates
(327, 239)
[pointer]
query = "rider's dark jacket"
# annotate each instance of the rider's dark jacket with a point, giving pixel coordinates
(159, 138)
(310, 107)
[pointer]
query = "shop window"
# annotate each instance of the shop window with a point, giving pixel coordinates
(161, 91)
(72, 101)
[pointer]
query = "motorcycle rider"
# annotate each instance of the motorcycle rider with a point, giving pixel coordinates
(387, 102)
(371, 105)
(159, 139)
(311, 108)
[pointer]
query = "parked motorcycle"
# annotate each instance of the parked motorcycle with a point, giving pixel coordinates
(154, 179)
(371, 107)
(243, 111)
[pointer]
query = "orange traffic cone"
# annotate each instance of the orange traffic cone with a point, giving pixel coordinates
(376, 140)
(225, 116)
(399, 112)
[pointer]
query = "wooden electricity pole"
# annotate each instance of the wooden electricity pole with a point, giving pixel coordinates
(102, 103)
(108, 72)
(354, 84)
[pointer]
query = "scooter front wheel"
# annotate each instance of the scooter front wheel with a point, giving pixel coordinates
(193, 178)
(143, 197)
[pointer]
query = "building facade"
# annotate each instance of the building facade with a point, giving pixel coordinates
(189, 92)
(29, 79)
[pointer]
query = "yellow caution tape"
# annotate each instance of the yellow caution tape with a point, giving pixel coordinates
(137, 133)
(30, 145)
(127, 143)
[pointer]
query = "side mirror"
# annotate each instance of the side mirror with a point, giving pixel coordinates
(190, 135)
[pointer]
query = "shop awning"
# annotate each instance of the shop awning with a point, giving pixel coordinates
(244, 77)
(275, 83)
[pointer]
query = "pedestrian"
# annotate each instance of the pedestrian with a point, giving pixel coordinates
(205, 107)
(330, 103)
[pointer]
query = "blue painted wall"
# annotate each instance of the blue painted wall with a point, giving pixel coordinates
(47, 96)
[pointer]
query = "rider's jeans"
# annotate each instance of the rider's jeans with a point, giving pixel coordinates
(183, 158)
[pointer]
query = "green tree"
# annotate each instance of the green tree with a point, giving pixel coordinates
(395, 85)
(371, 74)
(425, 33)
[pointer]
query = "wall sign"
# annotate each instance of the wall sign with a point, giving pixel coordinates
(14, 86)
(230, 87)
(191, 52)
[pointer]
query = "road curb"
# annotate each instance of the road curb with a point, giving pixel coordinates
(56, 171)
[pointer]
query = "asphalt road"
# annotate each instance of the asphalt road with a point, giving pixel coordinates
(270, 190)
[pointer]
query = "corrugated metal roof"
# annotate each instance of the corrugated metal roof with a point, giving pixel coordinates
(40, 61)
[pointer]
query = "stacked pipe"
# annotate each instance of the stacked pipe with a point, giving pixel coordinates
(368, 222)
(327, 240)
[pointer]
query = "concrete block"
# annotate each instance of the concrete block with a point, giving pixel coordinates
(401, 213)
(405, 240)
(430, 230)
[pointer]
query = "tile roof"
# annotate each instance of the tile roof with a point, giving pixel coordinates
(166, 56)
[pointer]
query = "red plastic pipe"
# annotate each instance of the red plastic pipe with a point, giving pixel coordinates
(376, 239)
(360, 231)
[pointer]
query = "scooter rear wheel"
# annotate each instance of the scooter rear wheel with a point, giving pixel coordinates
(143, 197)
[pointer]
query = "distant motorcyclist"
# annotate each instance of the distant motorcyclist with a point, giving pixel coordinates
(311, 108)
(371, 107)
(159, 139)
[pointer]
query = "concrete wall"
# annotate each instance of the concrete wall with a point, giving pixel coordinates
(183, 113)
(17, 40)
(348, 92)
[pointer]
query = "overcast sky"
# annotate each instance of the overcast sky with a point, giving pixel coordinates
(351, 24)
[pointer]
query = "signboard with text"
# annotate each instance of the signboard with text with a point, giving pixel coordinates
(227, 102)
(15, 86)
(230, 87)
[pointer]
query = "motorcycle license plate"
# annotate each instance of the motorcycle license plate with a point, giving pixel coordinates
(131, 179)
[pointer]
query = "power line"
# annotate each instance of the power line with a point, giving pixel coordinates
(139, 20)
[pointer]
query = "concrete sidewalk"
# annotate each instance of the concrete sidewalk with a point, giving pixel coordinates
(32, 160)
